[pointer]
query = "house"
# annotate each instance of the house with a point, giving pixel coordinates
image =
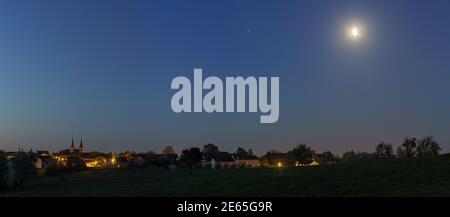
(43, 153)
(138, 162)
(325, 158)
(314, 163)
(95, 160)
(38, 163)
(122, 162)
(10, 155)
(42, 162)
(218, 160)
(43, 159)
(309, 163)
(247, 161)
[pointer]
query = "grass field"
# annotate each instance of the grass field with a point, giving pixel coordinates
(428, 176)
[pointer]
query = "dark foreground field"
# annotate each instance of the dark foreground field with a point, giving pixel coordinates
(396, 177)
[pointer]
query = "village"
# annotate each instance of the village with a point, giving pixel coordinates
(76, 156)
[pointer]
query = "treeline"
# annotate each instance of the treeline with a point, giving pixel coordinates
(300, 155)
(410, 147)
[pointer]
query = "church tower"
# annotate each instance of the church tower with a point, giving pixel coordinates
(81, 149)
(72, 147)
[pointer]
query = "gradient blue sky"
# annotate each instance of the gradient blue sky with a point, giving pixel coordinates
(102, 70)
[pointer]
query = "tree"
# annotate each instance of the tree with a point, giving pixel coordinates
(349, 156)
(328, 157)
(264, 161)
(428, 146)
(210, 150)
(3, 169)
(241, 153)
(142, 160)
(384, 150)
(191, 157)
(23, 167)
(407, 148)
(128, 155)
(302, 154)
(168, 150)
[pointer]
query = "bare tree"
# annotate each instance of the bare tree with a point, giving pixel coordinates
(407, 148)
(428, 146)
(384, 150)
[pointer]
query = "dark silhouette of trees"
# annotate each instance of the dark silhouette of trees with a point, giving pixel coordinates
(23, 168)
(407, 148)
(168, 150)
(263, 161)
(3, 170)
(210, 150)
(241, 153)
(328, 157)
(427, 146)
(191, 157)
(302, 154)
(128, 155)
(268, 159)
(384, 150)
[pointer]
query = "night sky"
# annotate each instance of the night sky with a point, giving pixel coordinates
(102, 70)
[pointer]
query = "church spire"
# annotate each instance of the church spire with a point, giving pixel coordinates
(72, 147)
(81, 145)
